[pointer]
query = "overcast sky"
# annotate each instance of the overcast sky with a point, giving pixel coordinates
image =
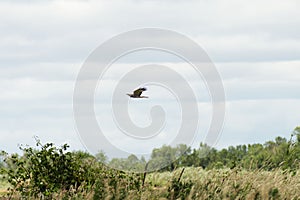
(255, 45)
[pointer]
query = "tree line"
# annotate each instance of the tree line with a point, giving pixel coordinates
(278, 153)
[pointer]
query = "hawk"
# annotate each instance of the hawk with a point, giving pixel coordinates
(137, 93)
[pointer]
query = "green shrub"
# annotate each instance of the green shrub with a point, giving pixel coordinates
(50, 171)
(45, 171)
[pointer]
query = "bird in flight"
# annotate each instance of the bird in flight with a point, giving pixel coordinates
(137, 93)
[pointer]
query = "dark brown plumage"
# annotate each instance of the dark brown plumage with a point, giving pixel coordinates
(137, 93)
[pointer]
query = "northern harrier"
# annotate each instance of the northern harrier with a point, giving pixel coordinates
(137, 93)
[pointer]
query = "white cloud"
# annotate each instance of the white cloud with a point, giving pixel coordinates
(229, 31)
(43, 43)
(258, 121)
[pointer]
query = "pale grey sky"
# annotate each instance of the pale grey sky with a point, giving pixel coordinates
(255, 46)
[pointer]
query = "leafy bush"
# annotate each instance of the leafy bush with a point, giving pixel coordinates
(45, 171)
(50, 171)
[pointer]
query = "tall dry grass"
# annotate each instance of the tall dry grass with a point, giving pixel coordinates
(196, 183)
(228, 184)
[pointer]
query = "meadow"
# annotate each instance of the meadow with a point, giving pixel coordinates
(196, 183)
(254, 171)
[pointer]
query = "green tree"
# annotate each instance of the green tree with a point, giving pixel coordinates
(101, 157)
(162, 158)
(292, 160)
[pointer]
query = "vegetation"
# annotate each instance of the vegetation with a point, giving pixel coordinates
(197, 183)
(254, 171)
(55, 173)
(280, 153)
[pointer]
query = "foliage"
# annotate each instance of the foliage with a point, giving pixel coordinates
(101, 157)
(2, 156)
(280, 153)
(253, 171)
(45, 171)
(50, 170)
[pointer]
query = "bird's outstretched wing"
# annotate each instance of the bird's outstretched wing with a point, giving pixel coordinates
(138, 92)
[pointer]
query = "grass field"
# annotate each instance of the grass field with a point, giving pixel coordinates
(227, 184)
(196, 183)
